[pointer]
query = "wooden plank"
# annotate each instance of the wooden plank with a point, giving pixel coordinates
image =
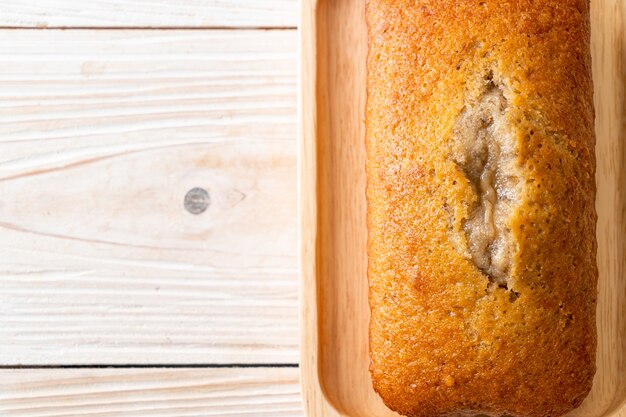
(148, 13)
(232, 392)
(102, 134)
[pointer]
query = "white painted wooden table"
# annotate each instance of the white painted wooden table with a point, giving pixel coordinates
(115, 300)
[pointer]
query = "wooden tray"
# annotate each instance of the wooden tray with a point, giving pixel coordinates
(334, 360)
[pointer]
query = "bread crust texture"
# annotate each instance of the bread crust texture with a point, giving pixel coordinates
(480, 206)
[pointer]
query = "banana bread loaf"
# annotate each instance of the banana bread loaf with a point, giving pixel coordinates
(480, 197)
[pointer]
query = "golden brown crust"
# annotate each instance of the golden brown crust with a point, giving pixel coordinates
(443, 338)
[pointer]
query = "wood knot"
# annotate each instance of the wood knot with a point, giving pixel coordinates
(197, 200)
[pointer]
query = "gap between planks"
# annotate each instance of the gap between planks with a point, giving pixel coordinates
(148, 28)
(156, 366)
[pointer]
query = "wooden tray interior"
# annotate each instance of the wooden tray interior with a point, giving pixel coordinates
(333, 101)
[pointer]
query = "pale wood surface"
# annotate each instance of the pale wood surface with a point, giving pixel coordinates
(261, 392)
(102, 133)
(334, 357)
(148, 13)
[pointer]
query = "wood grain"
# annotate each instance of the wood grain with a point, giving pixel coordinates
(102, 134)
(335, 312)
(608, 44)
(148, 13)
(232, 392)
